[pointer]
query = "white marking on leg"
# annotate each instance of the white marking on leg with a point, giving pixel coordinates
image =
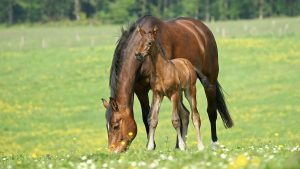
(151, 140)
(214, 145)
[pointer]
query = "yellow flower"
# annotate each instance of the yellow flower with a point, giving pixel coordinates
(123, 142)
(130, 133)
(276, 134)
(255, 161)
(34, 155)
(241, 160)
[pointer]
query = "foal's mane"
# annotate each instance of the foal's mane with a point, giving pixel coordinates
(118, 58)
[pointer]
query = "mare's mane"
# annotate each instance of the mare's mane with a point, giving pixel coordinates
(118, 58)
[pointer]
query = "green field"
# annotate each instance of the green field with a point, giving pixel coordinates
(52, 80)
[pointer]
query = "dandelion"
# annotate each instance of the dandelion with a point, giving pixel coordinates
(170, 158)
(270, 157)
(34, 155)
(123, 142)
(89, 161)
(241, 160)
(223, 156)
(141, 163)
(130, 133)
(104, 165)
(267, 147)
(255, 161)
(276, 134)
(82, 166)
(83, 158)
(93, 166)
(133, 164)
(50, 166)
(154, 164)
(163, 157)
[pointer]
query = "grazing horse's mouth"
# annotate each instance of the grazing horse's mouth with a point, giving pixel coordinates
(121, 148)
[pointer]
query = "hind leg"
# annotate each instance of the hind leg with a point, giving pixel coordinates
(184, 119)
(212, 113)
(191, 96)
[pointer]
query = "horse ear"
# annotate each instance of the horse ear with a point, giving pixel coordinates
(155, 30)
(140, 30)
(105, 103)
(114, 104)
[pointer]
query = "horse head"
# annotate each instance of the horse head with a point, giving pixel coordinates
(146, 43)
(120, 125)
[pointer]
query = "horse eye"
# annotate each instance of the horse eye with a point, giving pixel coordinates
(116, 126)
(149, 43)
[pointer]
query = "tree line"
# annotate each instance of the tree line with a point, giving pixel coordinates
(120, 11)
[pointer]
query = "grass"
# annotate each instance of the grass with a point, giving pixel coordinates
(52, 80)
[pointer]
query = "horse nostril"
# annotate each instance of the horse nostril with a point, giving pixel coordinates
(137, 53)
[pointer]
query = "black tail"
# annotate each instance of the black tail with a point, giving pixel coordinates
(222, 108)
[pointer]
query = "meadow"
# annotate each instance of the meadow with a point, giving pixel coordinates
(52, 79)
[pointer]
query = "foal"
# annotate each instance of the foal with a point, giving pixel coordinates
(169, 78)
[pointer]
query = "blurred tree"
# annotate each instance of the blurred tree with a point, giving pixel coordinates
(77, 9)
(120, 11)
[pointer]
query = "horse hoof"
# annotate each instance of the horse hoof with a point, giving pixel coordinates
(200, 147)
(150, 147)
(182, 148)
(215, 145)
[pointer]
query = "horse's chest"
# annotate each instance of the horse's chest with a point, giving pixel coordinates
(164, 86)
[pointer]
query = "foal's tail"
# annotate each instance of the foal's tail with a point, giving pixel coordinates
(222, 108)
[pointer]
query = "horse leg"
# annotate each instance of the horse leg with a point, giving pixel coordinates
(210, 93)
(184, 119)
(191, 96)
(175, 98)
(142, 95)
(153, 119)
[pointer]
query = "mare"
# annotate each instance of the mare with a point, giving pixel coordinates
(179, 36)
(169, 78)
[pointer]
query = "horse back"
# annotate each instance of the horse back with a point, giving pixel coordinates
(191, 39)
(185, 71)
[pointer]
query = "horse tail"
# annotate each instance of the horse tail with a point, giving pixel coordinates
(222, 108)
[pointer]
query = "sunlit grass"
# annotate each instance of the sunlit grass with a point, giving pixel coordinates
(51, 116)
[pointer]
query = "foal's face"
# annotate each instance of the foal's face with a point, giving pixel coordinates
(146, 43)
(120, 125)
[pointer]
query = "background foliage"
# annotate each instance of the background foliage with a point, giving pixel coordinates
(120, 11)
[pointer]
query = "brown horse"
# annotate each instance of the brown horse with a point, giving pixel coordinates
(128, 76)
(169, 78)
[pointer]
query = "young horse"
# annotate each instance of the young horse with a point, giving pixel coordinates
(169, 78)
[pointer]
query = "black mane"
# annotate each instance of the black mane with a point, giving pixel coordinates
(118, 56)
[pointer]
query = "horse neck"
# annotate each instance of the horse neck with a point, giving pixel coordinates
(125, 83)
(158, 60)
